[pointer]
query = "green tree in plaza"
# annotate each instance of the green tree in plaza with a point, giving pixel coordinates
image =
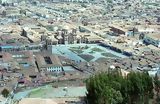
(113, 88)
(5, 92)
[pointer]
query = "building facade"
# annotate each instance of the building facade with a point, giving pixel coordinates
(153, 39)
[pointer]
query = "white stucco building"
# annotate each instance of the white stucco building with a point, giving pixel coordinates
(49, 63)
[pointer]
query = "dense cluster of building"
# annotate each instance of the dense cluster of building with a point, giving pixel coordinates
(29, 29)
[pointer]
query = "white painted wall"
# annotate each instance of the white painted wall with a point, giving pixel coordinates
(54, 69)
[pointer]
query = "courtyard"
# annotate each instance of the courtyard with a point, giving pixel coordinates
(85, 52)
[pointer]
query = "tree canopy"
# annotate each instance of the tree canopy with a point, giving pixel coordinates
(113, 88)
(5, 93)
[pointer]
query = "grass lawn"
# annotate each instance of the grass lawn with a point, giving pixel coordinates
(80, 47)
(97, 49)
(77, 51)
(91, 52)
(75, 48)
(37, 93)
(86, 57)
(108, 55)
